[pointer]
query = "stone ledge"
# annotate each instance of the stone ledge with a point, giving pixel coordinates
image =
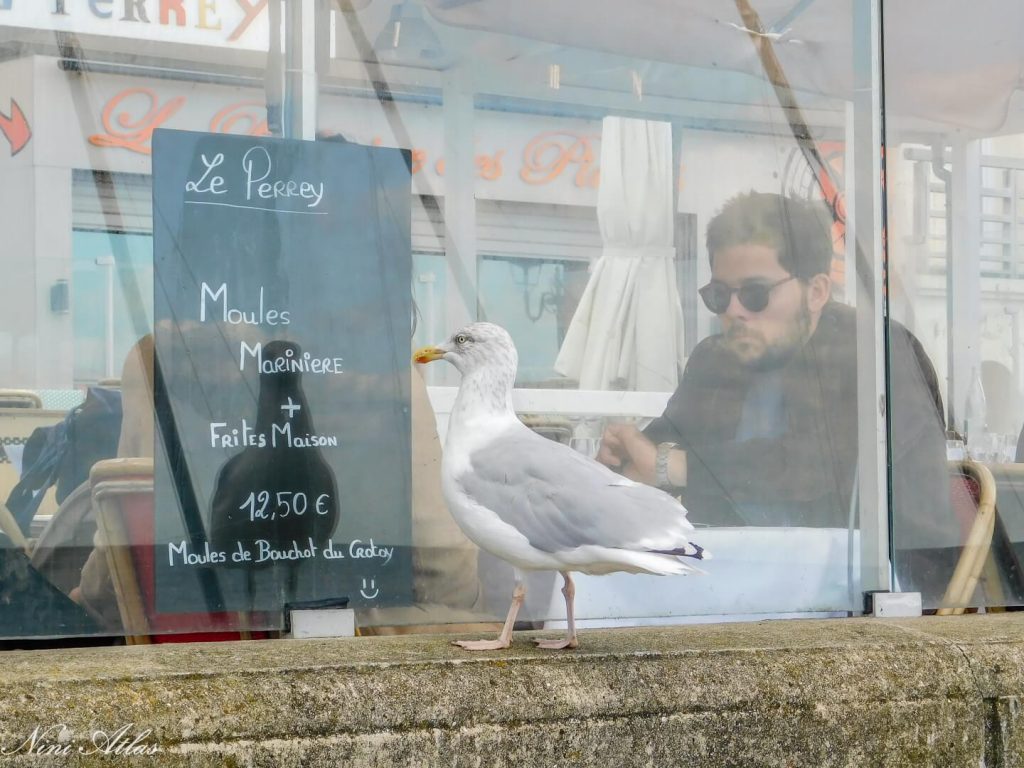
(854, 692)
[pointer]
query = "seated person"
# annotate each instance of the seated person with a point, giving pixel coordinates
(762, 429)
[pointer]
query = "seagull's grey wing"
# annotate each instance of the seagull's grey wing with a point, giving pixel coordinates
(561, 500)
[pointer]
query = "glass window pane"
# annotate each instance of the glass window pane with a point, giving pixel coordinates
(959, 295)
(634, 199)
(525, 141)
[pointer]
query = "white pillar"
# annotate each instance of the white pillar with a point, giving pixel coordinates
(107, 263)
(300, 78)
(36, 344)
(865, 241)
(459, 202)
(964, 270)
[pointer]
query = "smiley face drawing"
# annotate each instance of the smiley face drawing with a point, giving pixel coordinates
(370, 592)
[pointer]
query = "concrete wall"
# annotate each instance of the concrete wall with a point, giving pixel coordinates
(854, 692)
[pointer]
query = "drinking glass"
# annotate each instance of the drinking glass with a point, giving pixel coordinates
(586, 436)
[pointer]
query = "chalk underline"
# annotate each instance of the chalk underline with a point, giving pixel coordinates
(255, 208)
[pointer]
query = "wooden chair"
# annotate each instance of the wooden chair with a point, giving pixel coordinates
(977, 550)
(9, 526)
(121, 487)
(20, 398)
(122, 495)
(557, 428)
(64, 544)
(1008, 541)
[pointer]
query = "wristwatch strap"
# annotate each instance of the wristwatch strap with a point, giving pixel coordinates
(661, 465)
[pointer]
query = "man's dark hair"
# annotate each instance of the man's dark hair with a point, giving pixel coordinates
(798, 229)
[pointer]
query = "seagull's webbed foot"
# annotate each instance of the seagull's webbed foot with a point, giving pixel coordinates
(557, 645)
(504, 640)
(483, 645)
(569, 641)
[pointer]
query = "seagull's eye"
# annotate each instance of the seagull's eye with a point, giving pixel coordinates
(461, 339)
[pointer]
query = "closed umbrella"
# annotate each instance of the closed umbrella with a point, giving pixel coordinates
(627, 332)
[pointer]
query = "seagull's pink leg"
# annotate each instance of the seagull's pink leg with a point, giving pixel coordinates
(504, 640)
(570, 641)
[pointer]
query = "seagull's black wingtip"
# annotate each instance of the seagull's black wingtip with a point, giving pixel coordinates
(696, 551)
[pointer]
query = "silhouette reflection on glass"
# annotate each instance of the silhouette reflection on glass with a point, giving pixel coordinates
(274, 500)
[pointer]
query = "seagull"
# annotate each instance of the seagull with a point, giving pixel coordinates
(535, 503)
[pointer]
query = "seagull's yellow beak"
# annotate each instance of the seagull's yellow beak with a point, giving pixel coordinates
(427, 354)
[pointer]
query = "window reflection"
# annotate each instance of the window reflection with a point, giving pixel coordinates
(102, 288)
(953, 184)
(533, 299)
(537, 149)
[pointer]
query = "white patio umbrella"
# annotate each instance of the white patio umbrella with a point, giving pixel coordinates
(627, 331)
(959, 63)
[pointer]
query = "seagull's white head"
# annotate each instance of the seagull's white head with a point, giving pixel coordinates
(477, 347)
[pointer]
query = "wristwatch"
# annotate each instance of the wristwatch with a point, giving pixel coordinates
(661, 465)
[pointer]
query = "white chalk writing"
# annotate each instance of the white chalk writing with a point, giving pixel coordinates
(244, 436)
(258, 166)
(288, 362)
(358, 549)
(285, 503)
(260, 185)
(235, 316)
(262, 550)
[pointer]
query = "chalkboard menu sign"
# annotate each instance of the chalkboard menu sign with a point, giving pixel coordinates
(282, 336)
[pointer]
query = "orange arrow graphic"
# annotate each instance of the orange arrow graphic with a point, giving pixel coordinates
(15, 128)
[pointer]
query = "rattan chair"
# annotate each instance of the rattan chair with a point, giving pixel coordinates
(977, 549)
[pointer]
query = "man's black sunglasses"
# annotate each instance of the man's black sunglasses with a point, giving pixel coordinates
(753, 296)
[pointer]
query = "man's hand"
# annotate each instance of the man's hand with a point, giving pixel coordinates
(625, 447)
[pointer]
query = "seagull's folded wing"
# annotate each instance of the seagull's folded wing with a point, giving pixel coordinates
(560, 500)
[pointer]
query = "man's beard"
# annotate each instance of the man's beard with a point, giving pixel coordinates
(752, 350)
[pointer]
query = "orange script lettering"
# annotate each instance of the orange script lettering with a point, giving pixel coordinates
(134, 133)
(489, 166)
(549, 154)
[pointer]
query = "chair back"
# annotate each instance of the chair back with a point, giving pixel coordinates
(20, 398)
(122, 493)
(973, 494)
(62, 548)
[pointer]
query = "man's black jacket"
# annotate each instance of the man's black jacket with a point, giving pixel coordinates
(809, 469)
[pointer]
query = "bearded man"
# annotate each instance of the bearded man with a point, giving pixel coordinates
(762, 429)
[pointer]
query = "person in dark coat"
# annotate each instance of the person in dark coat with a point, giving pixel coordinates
(762, 429)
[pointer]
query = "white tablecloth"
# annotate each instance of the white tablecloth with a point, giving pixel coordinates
(755, 573)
